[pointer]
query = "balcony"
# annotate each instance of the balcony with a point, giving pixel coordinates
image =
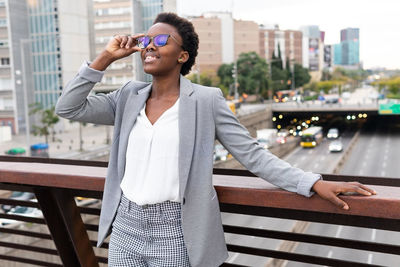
(66, 233)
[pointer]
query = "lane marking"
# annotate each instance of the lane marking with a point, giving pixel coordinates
(370, 258)
(373, 234)
(330, 254)
(338, 231)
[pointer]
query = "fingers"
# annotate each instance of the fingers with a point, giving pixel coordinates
(127, 41)
(358, 188)
(338, 202)
(366, 188)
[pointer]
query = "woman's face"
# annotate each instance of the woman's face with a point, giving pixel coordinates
(164, 60)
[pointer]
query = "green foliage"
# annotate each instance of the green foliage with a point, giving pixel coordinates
(392, 85)
(225, 74)
(301, 75)
(48, 119)
(252, 73)
(206, 78)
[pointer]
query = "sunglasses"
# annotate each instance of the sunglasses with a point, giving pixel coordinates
(158, 40)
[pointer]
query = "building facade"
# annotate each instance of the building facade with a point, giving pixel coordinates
(288, 41)
(347, 53)
(223, 39)
(313, 50)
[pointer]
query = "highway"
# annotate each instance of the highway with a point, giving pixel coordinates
(374, 154)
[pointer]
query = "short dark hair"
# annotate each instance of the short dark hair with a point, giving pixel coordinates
(186, 31)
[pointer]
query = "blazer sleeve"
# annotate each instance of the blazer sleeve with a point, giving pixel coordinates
(237, 140)
(75, 104)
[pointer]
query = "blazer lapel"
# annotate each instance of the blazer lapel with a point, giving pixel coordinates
(133, 106)
(187, 132)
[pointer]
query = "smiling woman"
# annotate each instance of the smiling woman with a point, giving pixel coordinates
(159, 202)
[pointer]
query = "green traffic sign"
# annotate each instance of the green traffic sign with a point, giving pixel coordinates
(389, 109)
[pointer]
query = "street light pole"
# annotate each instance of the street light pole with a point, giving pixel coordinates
(25, 93)
(236, 85)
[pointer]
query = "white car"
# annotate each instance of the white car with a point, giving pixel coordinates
(336, 146)
(333, 133)
(23, 211)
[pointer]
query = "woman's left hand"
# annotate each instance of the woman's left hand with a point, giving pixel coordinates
(330, 191)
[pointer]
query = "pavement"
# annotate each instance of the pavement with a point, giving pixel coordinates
(94, 138)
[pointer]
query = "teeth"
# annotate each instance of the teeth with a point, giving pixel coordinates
(150, 57)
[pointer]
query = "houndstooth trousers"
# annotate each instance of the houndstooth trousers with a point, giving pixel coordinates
(149, 235)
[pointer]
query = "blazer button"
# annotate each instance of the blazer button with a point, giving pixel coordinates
(183, 201)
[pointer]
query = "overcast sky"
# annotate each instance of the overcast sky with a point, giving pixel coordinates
(379, 21)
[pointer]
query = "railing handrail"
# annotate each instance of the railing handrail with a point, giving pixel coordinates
(249, 191)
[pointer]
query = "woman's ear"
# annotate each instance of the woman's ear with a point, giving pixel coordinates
(183, 57)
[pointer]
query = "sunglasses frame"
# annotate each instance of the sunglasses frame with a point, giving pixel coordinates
(152, 40)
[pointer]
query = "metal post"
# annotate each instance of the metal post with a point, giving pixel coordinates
(26, 107)
(292, 67)
(236, 87)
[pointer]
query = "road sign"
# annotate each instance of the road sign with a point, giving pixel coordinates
(389, 109)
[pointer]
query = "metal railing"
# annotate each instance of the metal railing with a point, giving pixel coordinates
(66, 233)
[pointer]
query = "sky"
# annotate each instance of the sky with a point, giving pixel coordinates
(378, 21)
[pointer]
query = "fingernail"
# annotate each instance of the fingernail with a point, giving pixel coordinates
(369, 193)
(346, 207)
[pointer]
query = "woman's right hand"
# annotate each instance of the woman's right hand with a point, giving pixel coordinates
(121, 46)
(118, 47)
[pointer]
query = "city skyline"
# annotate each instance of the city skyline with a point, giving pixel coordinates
(378, 24)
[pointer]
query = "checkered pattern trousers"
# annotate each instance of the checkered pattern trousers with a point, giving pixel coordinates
(148, 235)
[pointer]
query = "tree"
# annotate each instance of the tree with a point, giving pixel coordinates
(301, 75)
(225, 75)
(48, 119)
(252, 73)
(207, 78)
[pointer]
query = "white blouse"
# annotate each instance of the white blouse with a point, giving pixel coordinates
(151, 169)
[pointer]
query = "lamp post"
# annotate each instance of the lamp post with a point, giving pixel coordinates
(25, 93)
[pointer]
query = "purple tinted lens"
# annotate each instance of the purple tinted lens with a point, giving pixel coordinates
(143, 42)
(160, 40)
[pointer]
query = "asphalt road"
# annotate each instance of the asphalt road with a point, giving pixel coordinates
(321, 161)
(374, 154)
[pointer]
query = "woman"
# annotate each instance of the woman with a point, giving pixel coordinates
(159, 203)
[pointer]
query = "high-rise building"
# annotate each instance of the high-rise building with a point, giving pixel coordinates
(223, 39)
(47, 41)
(337, 54)
(313, 50)
(347, 53)
(288, 41)
(110, 18)
(13, 28)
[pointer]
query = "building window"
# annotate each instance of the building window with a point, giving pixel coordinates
(5, 61)
(3, 43)
(3, 22)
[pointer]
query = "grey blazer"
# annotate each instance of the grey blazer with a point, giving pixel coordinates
(203, 117)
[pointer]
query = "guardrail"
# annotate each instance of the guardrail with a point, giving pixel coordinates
(66, 234)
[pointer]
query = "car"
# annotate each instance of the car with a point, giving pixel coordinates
(23, 211)
(336, 146)
(220, 153)
(17, 195)
(332, 100)
(333, 133)
(281, 139)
